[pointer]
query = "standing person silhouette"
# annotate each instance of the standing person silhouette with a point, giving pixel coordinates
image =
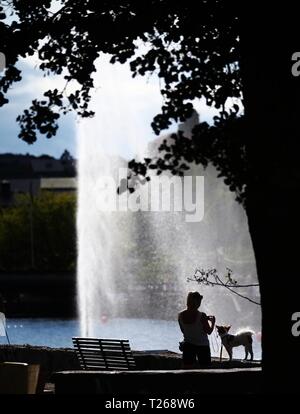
(195, 326)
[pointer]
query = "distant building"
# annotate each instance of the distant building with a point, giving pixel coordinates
(58, 184)
(28, 174)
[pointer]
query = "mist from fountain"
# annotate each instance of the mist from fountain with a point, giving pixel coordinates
(136, 264)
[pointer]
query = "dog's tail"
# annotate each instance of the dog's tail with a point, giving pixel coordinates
(246, 331)
(251, 333)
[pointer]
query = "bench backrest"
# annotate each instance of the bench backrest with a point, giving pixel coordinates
(104, 354)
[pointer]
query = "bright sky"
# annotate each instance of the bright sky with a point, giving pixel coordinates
(125, 107)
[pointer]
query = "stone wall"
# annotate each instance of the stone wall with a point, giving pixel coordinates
(64, 359)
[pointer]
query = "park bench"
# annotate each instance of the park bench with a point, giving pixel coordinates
(104, 354)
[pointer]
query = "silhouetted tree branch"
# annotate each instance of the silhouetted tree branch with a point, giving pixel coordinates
(210, 277)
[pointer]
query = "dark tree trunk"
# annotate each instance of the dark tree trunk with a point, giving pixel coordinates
(272, 110)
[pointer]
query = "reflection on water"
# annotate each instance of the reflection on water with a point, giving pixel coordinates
(143, 334)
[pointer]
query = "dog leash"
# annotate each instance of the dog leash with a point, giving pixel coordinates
(218, 345)
(214, 342)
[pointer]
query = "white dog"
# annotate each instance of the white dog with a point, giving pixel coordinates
(241, 338)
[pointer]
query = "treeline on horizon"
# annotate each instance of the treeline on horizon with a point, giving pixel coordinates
(39, 233)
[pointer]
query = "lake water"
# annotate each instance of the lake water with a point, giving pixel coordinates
(143, 334)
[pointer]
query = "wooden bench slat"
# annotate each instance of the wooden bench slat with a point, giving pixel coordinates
(106, 353)
(100, 358)
(109, 357)
(118, 349)
(83, 338)
(112, 358)
(120, 360)
(96, 346)
(104, 341)
(107, 368)
(116, 363)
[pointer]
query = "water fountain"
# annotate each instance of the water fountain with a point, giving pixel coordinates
(121, 255)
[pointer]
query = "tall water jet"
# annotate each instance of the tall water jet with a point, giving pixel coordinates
(102, 235)
(136, 264)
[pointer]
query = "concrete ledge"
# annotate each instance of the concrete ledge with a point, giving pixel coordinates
(205, 381)
(64, 359)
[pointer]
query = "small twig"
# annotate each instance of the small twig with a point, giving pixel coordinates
(242, 296)
(230, 284)
(222, 284)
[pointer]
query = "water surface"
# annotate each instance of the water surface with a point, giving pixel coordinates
(143, 334)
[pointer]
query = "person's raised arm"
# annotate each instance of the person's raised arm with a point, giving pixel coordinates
(208, 327)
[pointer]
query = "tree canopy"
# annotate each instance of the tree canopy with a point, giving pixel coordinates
(193, 47)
